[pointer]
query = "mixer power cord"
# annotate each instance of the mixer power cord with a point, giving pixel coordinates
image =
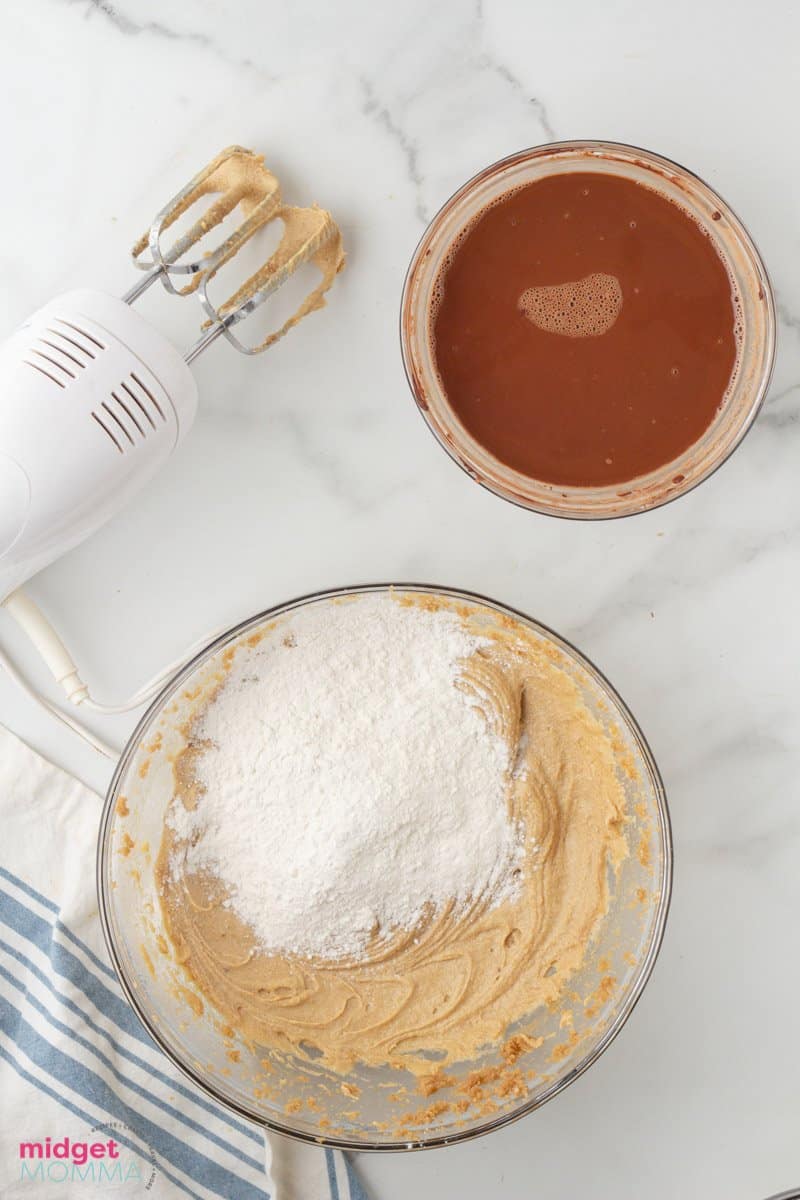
(57, 658)
(154, 405)
(53, 710)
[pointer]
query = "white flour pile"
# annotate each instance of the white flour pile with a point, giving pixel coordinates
(350, 784)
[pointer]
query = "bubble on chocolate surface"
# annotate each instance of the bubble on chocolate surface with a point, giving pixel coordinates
(587, 307)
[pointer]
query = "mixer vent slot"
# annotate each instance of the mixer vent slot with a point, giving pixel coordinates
(63, 351)
(71, 342)
(147, 396)
(107, 431)
(87, 342)
(116, 418)
(53, 362)
(43, 371)
(130, 415)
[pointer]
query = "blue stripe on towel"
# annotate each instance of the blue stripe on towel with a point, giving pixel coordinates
(54, 909)
(331, 1165)
(90, 1120)
(26, 887)
(34, 895)
(134, 1087)
(70, 1072)
(14, 914)
(174, 1084)
(356, 1187)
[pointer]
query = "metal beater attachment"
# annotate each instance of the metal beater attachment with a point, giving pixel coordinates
(237, 179)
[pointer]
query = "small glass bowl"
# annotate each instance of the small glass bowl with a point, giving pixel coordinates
(735, 246)
(301, 1098)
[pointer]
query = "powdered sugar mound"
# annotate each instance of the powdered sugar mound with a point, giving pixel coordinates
(350, 785)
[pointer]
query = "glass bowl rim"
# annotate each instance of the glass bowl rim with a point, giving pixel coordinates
(474, 473)
(639, 981)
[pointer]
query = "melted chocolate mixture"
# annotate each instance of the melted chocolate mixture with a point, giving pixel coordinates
(586, 332)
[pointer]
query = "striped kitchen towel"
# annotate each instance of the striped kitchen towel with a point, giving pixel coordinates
(87, 1101)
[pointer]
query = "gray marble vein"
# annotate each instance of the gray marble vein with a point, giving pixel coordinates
(489, 63)
(776, 415)
(786, 316)
(126, 24)
(378, 112)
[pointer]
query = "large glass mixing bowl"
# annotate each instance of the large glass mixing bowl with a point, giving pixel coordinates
(376, 1109)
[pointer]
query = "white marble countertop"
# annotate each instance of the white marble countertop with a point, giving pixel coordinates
(310, 468)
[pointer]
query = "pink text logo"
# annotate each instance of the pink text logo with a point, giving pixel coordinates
(104, 1162)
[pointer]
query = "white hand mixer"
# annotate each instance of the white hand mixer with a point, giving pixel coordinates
(95, 399)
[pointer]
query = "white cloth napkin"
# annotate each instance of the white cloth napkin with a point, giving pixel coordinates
(86, 1098)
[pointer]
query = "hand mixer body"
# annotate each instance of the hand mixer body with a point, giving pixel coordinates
(94, 400)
